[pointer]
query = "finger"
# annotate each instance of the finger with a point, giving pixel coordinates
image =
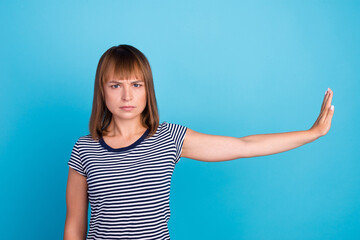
(328, 101)
(328, 104)
(330, 113)
(324, 102)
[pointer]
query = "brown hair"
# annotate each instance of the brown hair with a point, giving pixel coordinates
(125, 61)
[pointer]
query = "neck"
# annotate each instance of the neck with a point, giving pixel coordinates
(125, 128)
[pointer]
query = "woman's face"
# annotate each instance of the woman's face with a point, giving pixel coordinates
(121, 93)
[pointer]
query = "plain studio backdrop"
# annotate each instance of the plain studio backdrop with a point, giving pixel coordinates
(232, 68)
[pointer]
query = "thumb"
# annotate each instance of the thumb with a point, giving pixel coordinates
(331, 111)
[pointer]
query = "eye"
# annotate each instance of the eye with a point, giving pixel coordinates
(112, 86)
(139, 85)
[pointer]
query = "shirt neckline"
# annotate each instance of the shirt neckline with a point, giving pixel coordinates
(131, 146)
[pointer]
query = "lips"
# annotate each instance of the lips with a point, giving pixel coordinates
(127, 108)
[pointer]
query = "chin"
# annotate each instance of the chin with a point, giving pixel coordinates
(127, 116)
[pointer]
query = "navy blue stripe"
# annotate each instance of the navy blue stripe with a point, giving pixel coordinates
(103, 143)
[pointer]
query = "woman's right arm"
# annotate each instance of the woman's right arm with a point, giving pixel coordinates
(76, 207)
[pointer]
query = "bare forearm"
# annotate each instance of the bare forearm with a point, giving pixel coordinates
(68, 236)
(74, 231)
(267, 144)
(74, 236)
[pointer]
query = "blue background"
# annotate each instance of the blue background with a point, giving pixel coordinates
(232, 68)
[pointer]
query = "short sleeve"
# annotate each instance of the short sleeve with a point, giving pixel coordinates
(75, 160)
(177, 133)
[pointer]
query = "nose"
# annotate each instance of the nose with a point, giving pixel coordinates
(126, 94)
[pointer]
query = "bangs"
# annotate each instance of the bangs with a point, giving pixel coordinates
(123, 67)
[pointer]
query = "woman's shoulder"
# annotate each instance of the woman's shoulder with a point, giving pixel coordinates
(85, 139)
(173, 128)
(172, 124)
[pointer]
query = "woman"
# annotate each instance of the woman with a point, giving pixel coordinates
(124, 166)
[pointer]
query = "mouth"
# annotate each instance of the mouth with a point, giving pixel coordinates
(127, 108)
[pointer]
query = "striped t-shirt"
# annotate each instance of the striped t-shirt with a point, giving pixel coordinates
(129, 187)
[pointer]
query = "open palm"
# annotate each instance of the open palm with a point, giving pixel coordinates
(323, 122)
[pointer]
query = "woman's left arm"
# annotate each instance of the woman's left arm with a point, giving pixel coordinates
(215, 148)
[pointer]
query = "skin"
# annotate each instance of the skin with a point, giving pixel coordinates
(125, 128)
(77, 203)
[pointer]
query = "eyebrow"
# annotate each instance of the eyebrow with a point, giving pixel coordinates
(114, 81)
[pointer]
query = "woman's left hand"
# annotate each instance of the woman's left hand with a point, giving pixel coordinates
(323, 122)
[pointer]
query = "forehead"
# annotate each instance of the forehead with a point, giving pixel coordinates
(121, 74)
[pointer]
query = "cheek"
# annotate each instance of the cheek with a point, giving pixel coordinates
(143, 98)
(109, 99)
